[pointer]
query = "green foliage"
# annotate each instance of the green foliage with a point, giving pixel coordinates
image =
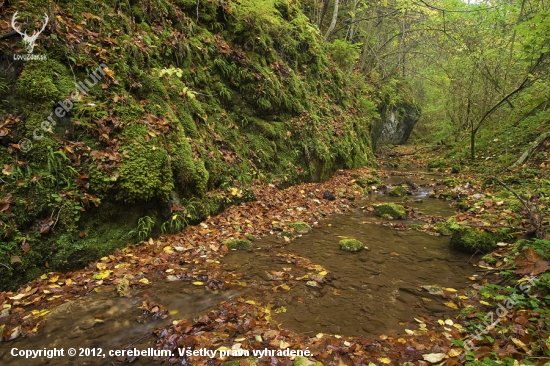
(144, 228)
(344, 54)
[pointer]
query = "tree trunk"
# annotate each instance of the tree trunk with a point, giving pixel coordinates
(334, 18)
(530, 150)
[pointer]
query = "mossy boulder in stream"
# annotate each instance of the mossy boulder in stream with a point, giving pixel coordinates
(474, 239)
(301, 227)
(397, 191)
(390, 211)
(351, 245)
(238, 244)
(364, 181)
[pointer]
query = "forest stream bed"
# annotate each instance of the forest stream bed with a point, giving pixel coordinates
(400, 276)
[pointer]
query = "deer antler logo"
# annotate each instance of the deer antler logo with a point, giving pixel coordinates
(29, 40)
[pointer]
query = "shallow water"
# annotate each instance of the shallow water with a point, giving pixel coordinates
(74, 324)
(374, 289)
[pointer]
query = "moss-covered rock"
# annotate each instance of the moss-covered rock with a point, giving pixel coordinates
(238, 244)
(390, 211)
(351, 245)
(474, 239)
(364, 182)
(397, 191)
(301, 227)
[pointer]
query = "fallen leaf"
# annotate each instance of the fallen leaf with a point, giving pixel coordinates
(433, 357)
(451, 304)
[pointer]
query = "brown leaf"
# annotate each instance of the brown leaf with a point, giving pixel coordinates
(531, 255)
(540, 267)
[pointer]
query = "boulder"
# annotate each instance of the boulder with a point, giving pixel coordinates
(390, 211)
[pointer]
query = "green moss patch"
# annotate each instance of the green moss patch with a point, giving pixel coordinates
(301, 227)
(474, 239)
(351, 245)
(390, 211)
(238, 244)
(397, 191)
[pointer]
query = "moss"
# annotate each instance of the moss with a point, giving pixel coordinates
(351, 245)
(145, 173)
(474, 239)
(238, 244)
(364, 182)
(250, 237)
(450, 182)
(301, 227)
(390, 211)
(436, 163)
(397, 191)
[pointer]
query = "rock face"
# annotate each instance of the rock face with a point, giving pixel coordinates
(395, 125)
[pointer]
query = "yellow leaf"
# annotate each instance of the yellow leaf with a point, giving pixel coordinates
(482, 302)
(168, 249)
(449, 289)
(101, 266)
(69, 282)
(44, 276)
(384, 360)
(251, 302)
(453, 352)
(323, 273)
(441, 322)
(18, 297)
(402, 340)
(28, 289)
(144, 280)
(198, 283)
(451, 304)
(173, 312)
(101, 275)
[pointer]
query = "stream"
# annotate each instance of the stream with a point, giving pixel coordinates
(375, 291)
